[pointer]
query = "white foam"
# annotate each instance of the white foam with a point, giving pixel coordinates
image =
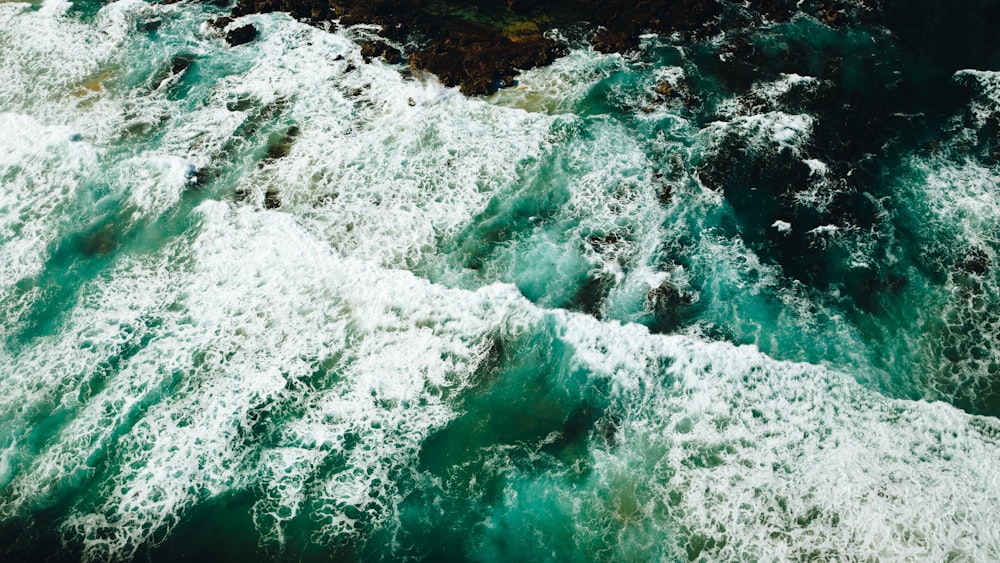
(962, 198)
(260, 305)
(825, 230)
(955, 208)
(559, 87)
(777, 460)
(43, 171)
(816, 167)
(775, 127)
(782, 226)
(156, 183)
(988, 82)
(306, 319)
(801, 458)
(766, 96)
(374, 175)
(58, 70)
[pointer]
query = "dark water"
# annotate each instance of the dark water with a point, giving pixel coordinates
(726, 298)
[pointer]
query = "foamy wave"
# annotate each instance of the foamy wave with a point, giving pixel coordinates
(724, 454)
(43, 170)
(558, 88)
(271, 356)
(288, 352)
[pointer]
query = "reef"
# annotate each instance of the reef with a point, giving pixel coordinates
(481, 46)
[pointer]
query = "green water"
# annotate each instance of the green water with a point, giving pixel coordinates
(721, 299)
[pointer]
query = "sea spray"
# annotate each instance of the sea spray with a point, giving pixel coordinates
(274, 301)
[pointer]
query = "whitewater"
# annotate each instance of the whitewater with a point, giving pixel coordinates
(276, 302)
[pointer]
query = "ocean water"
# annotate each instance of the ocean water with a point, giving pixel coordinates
(272, 302)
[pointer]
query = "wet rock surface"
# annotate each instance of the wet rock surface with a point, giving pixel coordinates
(241, 35)
(480, 46)
(380, 49)
(846, 68)
(479, 59)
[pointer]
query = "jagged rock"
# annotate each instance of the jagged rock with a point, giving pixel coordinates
(178, 65)
(608, 41)
(480, 57)
(220, 23)
(241, 35)
(271, 199)
(376, 49)
(665, 297)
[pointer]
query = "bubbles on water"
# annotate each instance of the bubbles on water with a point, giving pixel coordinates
(956, 345)
(42, 169)
(246, 324)
(560, 87)
(701, 462)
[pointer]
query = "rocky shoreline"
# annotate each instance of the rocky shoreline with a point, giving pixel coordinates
(873, 75)
(480, 46)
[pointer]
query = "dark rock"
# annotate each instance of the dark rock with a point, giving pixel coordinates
(376, 49)
(774, 10)
(523, 6)
(178, 65)
(602, 243)
(665, 297)
(241, 35)
(150, 25)
(591, 294)
(280, 145)
(479, 58)
(271, 199)
(465, 50)
(976, 261)
(608, 41)
(316, 10)
(220, 23)
(666, 194)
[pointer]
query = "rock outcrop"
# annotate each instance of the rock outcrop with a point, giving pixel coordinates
(480, 46)
(486, 51)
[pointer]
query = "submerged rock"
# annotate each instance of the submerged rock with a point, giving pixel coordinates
(271, 199)
(666, 297)
(279, 145)
(976, 261)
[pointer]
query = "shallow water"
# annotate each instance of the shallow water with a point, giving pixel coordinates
(275, 302)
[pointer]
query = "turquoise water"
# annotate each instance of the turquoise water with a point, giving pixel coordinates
(272, 302)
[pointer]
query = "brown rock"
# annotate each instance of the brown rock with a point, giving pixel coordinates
(380, 49)
(479, 58)
(608, 41)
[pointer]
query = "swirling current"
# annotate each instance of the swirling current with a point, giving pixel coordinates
(731, 297)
